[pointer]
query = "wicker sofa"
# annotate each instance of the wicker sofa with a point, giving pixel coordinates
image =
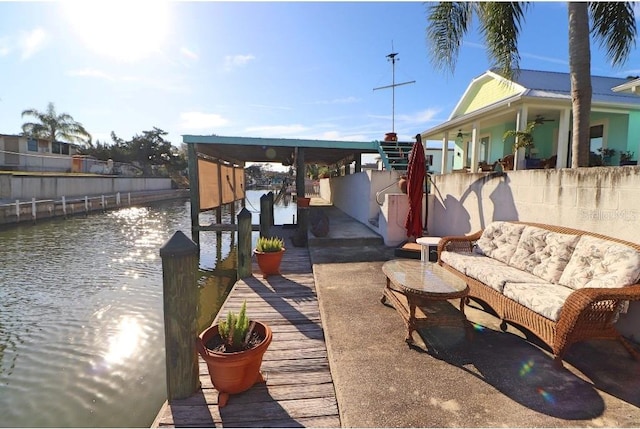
(563, 285)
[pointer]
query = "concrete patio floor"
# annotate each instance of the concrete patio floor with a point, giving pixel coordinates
(495, 380)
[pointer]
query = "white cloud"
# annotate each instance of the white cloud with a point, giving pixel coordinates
(233, 61)
(345, 100)
(5, 46)
(201, 121)
(189, 54)
(276, 130)
(32, 42)
(91, 73)
(420, 117)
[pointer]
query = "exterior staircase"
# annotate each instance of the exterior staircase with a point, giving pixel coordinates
(395, 155)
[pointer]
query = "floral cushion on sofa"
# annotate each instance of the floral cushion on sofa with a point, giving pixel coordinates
(545, 299)
(499, 240)
(461, 261)
(543, 253)
(496, 274)
(600, 263)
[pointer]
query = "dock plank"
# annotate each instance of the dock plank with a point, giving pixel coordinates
(299, 390)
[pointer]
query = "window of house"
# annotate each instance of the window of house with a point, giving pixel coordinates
(429, 159)
(32, 145)
(55, 147)
(596, 138)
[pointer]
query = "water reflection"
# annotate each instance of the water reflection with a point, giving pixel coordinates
(81, 314)
(123, 343)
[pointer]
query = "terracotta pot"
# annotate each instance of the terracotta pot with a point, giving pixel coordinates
(233, 372)
(269, 262)
(303, 201)
(391, 137)
(402, 184)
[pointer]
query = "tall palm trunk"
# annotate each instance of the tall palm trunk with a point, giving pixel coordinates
(580, 72)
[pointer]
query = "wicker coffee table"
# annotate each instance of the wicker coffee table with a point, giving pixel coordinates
(417, 290)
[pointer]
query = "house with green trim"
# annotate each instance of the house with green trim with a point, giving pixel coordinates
(493, 105)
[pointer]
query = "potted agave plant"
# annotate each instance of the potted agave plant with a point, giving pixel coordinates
(269, 251)
(233, 350)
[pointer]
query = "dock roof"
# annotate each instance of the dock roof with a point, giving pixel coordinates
(257, 149)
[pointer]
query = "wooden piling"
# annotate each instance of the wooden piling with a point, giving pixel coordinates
(244, 243)
(271, 203)
(180, 295)
(265, 215)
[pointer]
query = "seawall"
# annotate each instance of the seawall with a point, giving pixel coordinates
(28, 197)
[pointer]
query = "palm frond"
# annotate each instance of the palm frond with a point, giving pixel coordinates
(448, 22)
(500, 26)
(614, 27)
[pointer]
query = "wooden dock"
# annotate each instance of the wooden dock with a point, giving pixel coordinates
(299, 390)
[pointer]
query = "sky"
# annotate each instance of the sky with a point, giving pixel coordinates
(250, 69)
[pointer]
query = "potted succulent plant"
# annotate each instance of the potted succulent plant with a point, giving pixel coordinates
(269, 252)
(233, 350)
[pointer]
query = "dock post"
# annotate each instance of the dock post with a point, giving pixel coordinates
(265, 215)
(129, 198)
(33, 209)
(64, 207)
(104, 207)
(180, 296)
(86, 204)
(271, 201)
(118, 199)
(17, 210)
(244, 243)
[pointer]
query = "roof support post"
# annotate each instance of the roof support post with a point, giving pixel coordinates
(521, 125)
(445, 153)
(194, 192)
(358, 166)
(474, 147)
(300, 172)
(563, 139)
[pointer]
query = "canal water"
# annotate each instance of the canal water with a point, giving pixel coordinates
(81, 323)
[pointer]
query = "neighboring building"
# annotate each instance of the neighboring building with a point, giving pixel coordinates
(492, 105)
(22, 153)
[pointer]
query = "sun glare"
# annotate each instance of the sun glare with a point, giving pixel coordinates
(126, 31)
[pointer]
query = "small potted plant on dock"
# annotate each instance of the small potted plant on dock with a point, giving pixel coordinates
(269, 252)
(233, 350)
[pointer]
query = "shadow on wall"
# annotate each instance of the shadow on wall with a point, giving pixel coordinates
(458, 217)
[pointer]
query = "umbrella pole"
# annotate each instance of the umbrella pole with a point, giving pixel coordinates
(425, 229)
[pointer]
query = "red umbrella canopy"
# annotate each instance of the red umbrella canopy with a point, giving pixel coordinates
(415, 188)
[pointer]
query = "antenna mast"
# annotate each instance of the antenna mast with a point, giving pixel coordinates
(392, 57)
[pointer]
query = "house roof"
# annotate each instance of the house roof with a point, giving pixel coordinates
(558, 85)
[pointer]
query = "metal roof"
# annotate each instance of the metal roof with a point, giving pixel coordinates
(240, 150)
(558, 85)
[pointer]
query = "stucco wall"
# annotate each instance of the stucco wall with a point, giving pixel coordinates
(47, 187)
(603, 200)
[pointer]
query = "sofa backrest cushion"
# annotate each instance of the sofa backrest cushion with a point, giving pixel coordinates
(499, 240)
(600, 263)
(543, 253)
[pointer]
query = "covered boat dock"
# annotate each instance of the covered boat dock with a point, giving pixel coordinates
(216, 165)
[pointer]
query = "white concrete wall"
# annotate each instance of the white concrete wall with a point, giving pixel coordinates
(355, 194)
(47, 187)
(603, 200)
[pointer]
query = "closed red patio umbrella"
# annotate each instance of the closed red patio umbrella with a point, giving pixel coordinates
(415, 188)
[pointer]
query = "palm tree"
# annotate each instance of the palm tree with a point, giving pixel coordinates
(54, 127)
(614, 27)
